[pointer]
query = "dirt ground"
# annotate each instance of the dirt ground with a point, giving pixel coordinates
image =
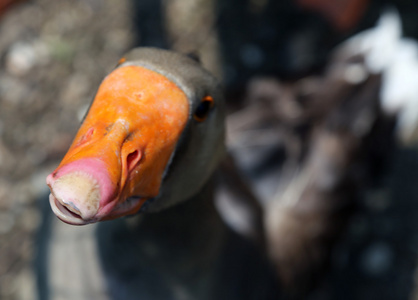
(53, 56)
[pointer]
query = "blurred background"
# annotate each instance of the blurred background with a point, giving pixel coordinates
(323, 108)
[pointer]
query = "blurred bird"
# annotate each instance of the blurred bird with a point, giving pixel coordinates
(310, 147)
(395, 57)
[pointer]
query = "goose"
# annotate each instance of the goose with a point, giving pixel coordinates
(148, 148)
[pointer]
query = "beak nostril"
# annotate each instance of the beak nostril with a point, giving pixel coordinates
(132, 160)
(87, 136)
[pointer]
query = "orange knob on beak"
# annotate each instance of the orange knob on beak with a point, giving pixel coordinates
(119, 155)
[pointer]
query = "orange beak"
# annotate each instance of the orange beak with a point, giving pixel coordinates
(119, 155)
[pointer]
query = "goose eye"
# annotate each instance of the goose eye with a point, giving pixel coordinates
(203, 109)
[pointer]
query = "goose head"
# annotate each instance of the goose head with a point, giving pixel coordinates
(152, 137)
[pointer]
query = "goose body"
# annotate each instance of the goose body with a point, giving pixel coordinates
(150, 143)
